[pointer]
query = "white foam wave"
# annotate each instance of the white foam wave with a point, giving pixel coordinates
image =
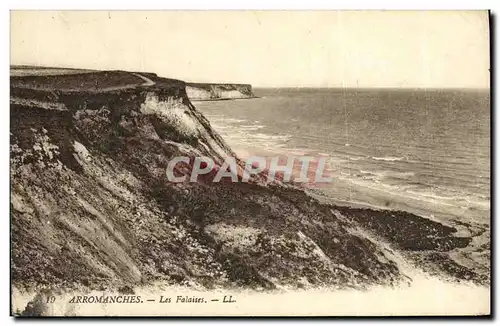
(251, 127)
(218, 119)
(390, 174)
(388, 158)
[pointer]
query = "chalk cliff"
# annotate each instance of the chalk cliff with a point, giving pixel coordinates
(199, 91)
(91, 206)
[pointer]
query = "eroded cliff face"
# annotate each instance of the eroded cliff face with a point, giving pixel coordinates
(91, 205)
(199, 91)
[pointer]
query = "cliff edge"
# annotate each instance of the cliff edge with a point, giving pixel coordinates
(91, 206)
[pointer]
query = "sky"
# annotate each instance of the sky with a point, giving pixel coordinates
(433, 49)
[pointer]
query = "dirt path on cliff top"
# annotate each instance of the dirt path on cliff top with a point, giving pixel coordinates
(147, 83)
(96, 89)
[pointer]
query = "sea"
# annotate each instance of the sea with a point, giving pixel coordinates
(426, 151)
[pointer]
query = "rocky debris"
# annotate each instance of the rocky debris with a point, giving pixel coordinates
(91, 205)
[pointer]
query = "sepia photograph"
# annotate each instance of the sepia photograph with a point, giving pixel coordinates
(180, 163)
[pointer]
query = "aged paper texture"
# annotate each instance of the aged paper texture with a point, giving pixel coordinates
(250, 163)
